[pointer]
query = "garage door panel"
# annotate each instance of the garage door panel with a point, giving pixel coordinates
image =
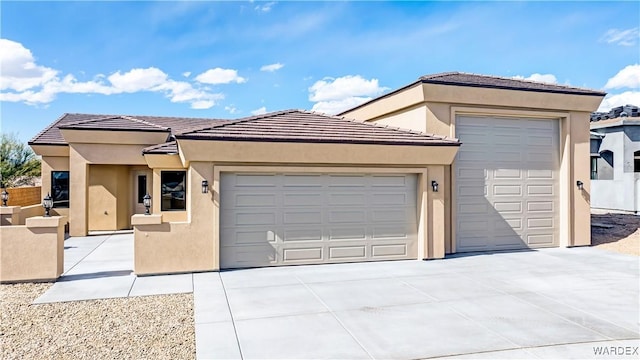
(248, 236)
(347, 181)
(254, 180)
(541, 239)
(348, 199)
(312, 254)
(311, 199)
(390, 215)
(540, 206)
(391, 250)
(299, 180)
(389, 181)
(507, 207)
(347, 233)
(516, 161)
(391, 232)
(254, 200)
(248, 256)
(302, 216)
(302, 234)
(318, 219)
(348, 252)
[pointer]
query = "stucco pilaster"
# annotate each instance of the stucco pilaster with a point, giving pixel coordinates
(78, 175)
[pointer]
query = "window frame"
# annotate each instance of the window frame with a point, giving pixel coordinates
(56, 189)
(172, 197)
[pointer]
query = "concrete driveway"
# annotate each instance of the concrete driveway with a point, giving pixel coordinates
(555, 303)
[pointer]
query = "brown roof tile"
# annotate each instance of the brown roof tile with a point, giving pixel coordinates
(487, 81)
(166, 148)
(303, 126)
(51, 134)
(124, 123)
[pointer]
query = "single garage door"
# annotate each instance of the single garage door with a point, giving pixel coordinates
(284, 219)
(506, 183)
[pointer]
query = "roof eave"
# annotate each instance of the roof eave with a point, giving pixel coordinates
(318, 141)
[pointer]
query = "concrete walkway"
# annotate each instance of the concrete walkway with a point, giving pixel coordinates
(553, 303)
(101, 267)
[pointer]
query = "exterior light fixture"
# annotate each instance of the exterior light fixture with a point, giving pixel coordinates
(5, 197)
(580, 185)
(205, 186)
(434, 185)
(146, 201)
(47, 204)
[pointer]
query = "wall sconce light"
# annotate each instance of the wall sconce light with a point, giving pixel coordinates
(580, 185)
(146, 201)
(5, 197)
(205, 186)
(47, 204)
(434, 185)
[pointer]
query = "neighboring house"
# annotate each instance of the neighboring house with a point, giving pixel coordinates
(295, 187)
(615, 159)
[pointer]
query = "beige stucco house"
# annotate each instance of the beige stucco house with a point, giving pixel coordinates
(295, 187)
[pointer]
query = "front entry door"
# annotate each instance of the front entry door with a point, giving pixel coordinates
(141, 186)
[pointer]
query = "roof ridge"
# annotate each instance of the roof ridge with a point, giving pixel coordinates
(129, 117)
(438, 75)
(86, 121)
(241, 120)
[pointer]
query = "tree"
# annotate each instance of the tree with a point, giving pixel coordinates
(19, 165)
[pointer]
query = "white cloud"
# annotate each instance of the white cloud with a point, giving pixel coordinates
(338, 106)
(543, 78)
(343, 87)
(202, 104)
(272, 67)
(220, 76)
(18, 70)
(335, 95)
(24, 81)
(186, 73)
(629, 77)
(628, 37)
(625, 98)
(138, 79)
(260, 111)
(231, 109)
(266, 7)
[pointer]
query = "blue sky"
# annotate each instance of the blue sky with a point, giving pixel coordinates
(238, 58)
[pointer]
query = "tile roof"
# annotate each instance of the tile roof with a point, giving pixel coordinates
(166, 148)
(124, 123)
(487, 81)
(51, 134)
(311, 127)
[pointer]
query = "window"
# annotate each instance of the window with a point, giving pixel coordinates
(173, 186)
(142, 188)
(60, 189)
(594, 168)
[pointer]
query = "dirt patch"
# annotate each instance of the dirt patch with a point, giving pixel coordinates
(149, 327)
(616, 232)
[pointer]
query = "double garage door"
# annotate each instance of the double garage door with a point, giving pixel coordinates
(506, 174)
(285, 219)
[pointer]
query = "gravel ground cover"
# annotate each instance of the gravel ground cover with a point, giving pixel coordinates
(622, 236)
(149, 327)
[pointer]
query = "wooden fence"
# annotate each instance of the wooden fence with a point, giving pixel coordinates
(24, 196)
